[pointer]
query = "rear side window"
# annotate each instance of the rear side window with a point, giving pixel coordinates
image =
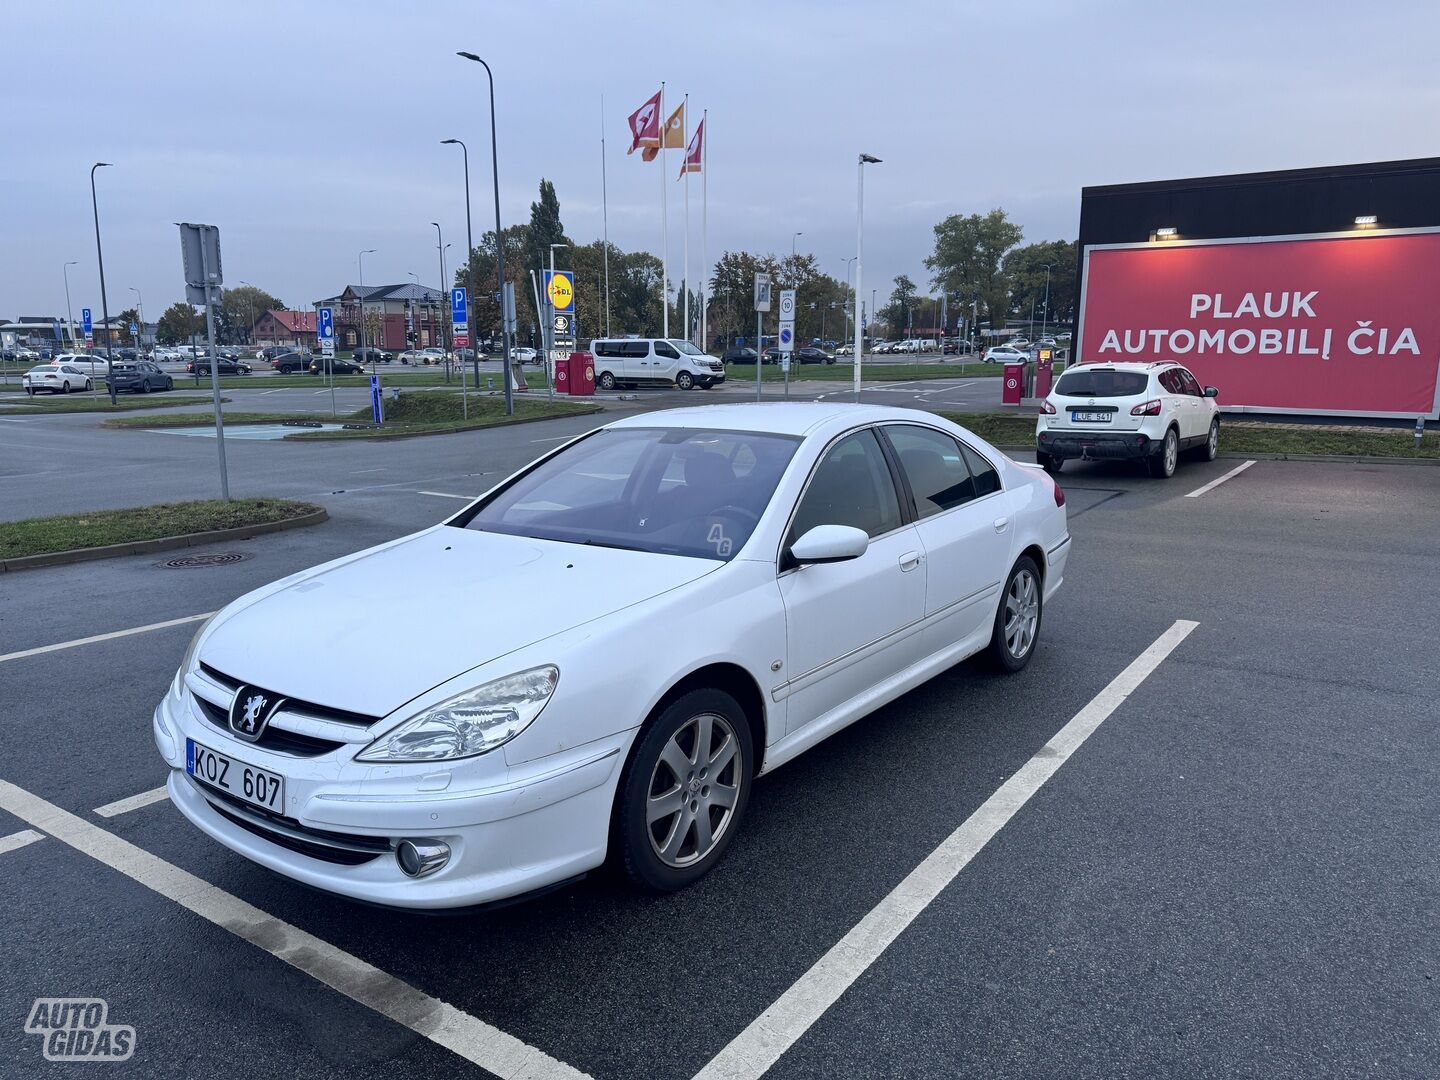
(939, 478)
(987, 480)
(1081, 382)
(608, 348)
(635, 348)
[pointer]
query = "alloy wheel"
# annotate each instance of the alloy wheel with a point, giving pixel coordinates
(1172, 452)
(693, 790)
(1022, 613)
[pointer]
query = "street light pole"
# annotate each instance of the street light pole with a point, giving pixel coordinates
(499, 236)
(440, 246)
(1045, 311)
(69, 318)
(865, 159)
(469, 257)
(104, 303)
(360, 260)
(139, 322)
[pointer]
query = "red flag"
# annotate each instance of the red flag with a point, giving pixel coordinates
(645, 124)
(695, 152)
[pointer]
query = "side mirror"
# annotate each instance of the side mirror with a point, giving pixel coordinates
(1210, 391)
(830, 543)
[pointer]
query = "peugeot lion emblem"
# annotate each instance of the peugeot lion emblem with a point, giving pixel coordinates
(251, 711)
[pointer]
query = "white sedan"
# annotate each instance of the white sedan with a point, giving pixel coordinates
(56, 378)
(597, 658)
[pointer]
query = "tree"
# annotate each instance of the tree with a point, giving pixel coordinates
(237, 311)
(125, 319)
(179, 322)
(485, 314)
(732, 294)
(967, 260)
(1025, 270)
(545, 229)
(896, 313)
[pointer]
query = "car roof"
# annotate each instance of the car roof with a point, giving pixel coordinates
(801, 418)
(1144, 366)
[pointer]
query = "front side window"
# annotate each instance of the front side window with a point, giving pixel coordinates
(665, 349)
(1188, 382)
(687, 492)
(851, 486)
(939, 478)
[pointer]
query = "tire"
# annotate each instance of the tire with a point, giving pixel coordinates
(685, 381)
(607, 381)
(169, 383)
(1162, 465)
(669, 852)
(1013, 643)
(145, 387)
(1049, 462)
(1211, 450)
(89, 385)
(65, 387)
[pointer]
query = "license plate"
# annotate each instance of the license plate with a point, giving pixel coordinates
(1080, 416)
(253, 785)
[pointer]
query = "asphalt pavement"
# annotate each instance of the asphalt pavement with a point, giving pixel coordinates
(1235, 874)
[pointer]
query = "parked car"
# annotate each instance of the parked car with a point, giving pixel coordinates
(89, 363)
(339, 366)
(292, 363)
(523, 354)
(654, 361)
(423, 356)
(271, 353)
(846, 350)
(369, 354)
(771, 355)
(468, 356)
(738, 356)
(812, 355)
(1005, 354)
(223, 364)
(140, 376)
(1151, 412)
(56, 378)
(831, 554)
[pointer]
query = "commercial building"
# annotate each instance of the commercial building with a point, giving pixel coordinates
(1304, 291)
(284, 328)
(388, 310)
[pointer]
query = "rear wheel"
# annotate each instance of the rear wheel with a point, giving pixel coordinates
(1049, 462)
(684, 792)
(145, 387)
(607, 381)
(65, 387)
(1162, 465)
(685, 381)
(1017, 620)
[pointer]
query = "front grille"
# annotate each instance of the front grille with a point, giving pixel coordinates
(341, 848)
(276, 739)
(324, 712)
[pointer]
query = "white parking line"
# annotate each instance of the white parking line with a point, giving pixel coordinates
(774, 1031)
(19, 839)
(134, 802)
(446, 495)
(1217, 482)
(103, 637)
(444, 1025)
(279, 390)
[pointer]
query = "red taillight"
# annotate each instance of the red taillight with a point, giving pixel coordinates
(1047, 408)
(1149, 408)
(1059, 494)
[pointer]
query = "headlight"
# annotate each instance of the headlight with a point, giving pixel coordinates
(189, 661)
(471, 723)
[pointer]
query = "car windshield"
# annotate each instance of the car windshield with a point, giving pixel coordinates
(673, 491)
(686, 347)
(1102, 383)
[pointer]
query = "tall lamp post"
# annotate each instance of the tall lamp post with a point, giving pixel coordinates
(69, 318)
(440, 246)
(360, 261)
(140, 321)
(104, 302)
(499, 236)
(1044, 313)
(865, 159)
(469, 254)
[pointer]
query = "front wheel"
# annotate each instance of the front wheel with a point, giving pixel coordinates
(1162, 465)
(684, 792)
(607, 381)
(1212, 441)
(685, 381)
(1017, 619)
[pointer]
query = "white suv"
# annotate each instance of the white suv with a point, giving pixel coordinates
(1146, 411)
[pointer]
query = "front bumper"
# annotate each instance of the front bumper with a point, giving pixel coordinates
(528, 828)
(1095, 445)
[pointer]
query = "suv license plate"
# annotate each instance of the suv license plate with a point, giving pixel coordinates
(253, 785)
(1081, 417)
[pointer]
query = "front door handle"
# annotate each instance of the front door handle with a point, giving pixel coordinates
(1001, 524)
(909, 561)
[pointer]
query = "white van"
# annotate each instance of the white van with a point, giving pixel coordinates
(653, 361)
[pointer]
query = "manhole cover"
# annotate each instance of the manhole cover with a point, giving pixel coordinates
(218, 558)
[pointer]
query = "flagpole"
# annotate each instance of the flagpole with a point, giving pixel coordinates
(704, 227)
(664, 227)
(605, 214)
(685, 118)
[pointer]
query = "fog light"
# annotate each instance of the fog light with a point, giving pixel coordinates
(420, 858)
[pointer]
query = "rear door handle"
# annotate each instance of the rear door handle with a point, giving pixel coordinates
(909, 561)
(1001, 524)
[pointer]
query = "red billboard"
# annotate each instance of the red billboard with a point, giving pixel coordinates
(1329, 324)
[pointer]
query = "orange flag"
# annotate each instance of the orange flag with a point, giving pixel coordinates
(673, 134)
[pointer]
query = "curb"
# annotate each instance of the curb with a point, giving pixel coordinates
(317, 436)
(162, 543)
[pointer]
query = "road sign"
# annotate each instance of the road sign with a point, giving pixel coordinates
(85, 321)
(560, 288)
(200, 253)
(325, 330)
(787, 304)
(787, 335)
(459, 309)
(762, 292)
(134, 329)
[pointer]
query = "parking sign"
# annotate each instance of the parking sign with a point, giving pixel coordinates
(325, 330)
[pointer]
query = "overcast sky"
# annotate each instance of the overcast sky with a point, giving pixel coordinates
(307, 132)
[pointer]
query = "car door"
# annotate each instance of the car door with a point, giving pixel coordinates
(664, 362)
(1178, 402)
(850, 625)
(636, 361)
(965, 522)
(1203, 407)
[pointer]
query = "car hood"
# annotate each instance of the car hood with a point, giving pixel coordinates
(370, 633)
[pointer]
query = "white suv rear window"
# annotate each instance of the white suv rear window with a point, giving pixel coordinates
(1082, 383)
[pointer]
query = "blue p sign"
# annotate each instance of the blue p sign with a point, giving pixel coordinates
(458, 307)
(326, 322)
(85, 320)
